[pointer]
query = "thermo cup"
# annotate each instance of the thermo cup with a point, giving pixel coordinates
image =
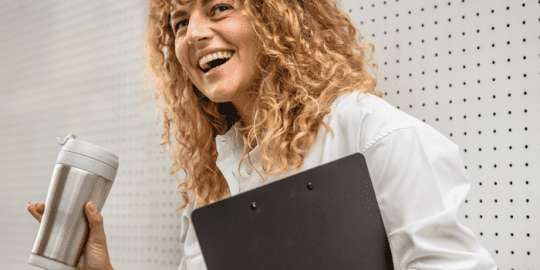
(83, 172)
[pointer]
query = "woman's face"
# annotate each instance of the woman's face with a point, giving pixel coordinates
(207, 33)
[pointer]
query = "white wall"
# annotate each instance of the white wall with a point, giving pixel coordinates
(471, 69)
(76, 66)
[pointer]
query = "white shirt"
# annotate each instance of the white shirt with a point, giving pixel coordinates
(417, 173)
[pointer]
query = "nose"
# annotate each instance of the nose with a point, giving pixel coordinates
(198, 28)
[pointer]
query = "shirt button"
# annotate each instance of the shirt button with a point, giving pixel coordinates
(249, 171)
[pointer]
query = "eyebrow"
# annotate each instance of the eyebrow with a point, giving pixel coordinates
(183, 13)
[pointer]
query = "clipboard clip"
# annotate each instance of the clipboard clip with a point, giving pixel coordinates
(254, 204)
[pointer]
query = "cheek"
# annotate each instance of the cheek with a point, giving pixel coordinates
(180, 51)
(252, 49)
(181, 57)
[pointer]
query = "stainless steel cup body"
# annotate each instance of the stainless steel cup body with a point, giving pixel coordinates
(64, 228)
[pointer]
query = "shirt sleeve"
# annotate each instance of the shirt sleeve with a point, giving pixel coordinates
(191, 257)
(184, 225)
(420, 183)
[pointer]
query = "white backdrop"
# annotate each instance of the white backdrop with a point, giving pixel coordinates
(471, 69)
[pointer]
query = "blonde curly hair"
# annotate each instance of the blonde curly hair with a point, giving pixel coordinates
(311, 55)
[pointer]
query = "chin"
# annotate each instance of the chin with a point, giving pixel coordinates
(221, 95)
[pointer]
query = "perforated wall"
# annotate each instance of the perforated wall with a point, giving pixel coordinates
(76, 66)
(471, 69)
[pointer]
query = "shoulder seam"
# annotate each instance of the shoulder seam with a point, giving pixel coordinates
(385, 133)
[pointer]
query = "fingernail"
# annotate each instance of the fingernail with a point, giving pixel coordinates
(92, 208)
(29, 203)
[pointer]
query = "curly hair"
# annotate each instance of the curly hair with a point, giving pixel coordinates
(311, 55)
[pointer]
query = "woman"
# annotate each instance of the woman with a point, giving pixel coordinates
(275, 86)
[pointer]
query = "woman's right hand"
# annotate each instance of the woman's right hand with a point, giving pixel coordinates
(96, 254)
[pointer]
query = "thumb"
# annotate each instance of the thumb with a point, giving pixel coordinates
(95, 222)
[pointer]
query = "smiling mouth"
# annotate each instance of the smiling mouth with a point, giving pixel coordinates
(215, 63)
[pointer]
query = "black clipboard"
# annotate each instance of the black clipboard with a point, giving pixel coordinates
(326, 217)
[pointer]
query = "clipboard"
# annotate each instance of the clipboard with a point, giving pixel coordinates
(326, 217)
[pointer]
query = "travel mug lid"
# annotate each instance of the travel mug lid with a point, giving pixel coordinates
(71, 144)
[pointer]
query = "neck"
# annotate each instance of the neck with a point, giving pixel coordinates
(245, 109)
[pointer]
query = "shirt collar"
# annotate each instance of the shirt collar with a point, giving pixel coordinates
(230, 147)
(231, 144)
(231, 140)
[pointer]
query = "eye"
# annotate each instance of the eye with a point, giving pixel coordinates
(181, 24)
(221, 8)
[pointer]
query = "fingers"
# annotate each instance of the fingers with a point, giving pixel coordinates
(36, 210)
(95, 219)
(40, 208)
(95, 222)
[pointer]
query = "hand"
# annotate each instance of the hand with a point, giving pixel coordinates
(95, 253)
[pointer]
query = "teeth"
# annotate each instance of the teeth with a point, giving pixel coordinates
(204, 62)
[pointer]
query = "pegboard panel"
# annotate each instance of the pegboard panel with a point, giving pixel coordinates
(471, 69)
(77, 66)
